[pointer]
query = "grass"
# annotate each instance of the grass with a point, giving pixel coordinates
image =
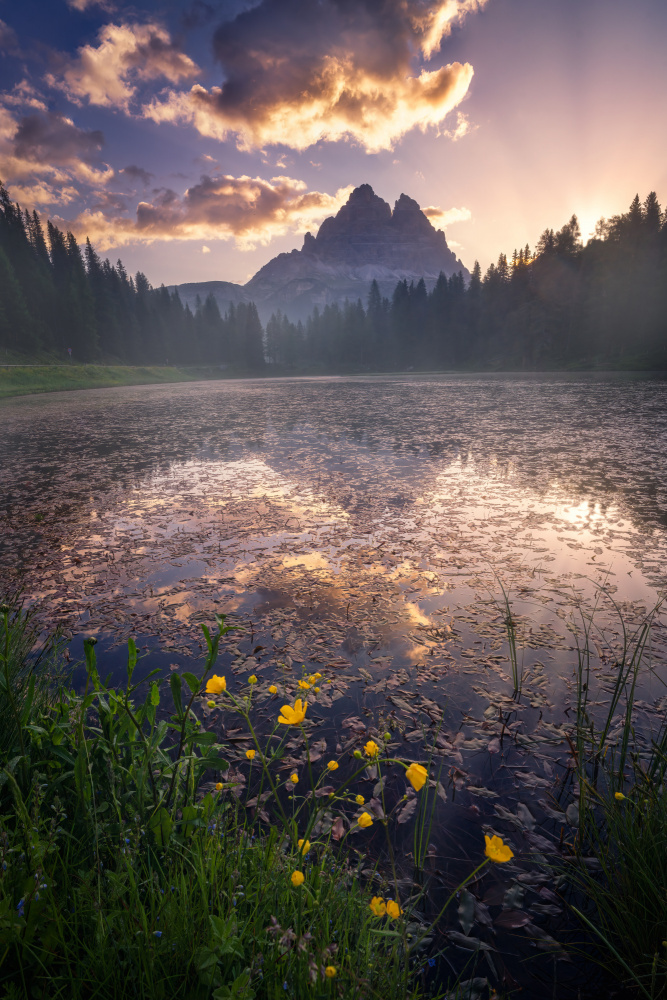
(617, 868)
(20, 380)
(136, 863)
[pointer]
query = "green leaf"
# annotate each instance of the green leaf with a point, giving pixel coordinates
(194, 683)
(131, 657)
(205, 739)
(175, 685)
(188, 814)
(155, 694)
(161, 825)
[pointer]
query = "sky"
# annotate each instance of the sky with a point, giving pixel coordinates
(196, 139)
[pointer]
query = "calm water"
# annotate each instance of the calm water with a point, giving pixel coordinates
(364, 527)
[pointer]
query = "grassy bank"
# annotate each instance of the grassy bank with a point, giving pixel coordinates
(23, 380)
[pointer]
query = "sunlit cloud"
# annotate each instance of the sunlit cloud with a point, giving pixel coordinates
(82, 5)
(445, 217)
(250, 210)
(45, 157)
(107, 74)
(299, 73)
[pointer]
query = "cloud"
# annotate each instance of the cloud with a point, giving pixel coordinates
(106, 74)
(448, 216)
(45, 157)
(297, 72)
(250, 210)
(205, 249)
(85, 4)
(8, 40)
(135, 173)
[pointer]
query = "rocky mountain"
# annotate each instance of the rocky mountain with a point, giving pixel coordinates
(366, 240)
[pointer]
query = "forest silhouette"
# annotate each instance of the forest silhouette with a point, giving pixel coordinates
(562, 304)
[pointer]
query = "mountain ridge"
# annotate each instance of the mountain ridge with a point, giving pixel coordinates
(364, 241)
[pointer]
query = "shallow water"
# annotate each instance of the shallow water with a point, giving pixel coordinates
(364, 527)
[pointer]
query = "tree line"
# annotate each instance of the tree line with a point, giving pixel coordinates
(60, 299)
(562, 303)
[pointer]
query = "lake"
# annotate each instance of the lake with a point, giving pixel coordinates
(369, 528)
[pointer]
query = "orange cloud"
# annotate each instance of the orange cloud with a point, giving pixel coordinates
(105, 74)
(299, 73)
(248, 209)
(445, 217)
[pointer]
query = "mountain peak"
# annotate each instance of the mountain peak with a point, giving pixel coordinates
(364, 241)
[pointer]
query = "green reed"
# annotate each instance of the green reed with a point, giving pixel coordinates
(618, 864)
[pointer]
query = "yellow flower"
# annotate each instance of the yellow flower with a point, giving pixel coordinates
(298, 878)
(371, 749)
(318, 676)
(252, 679)
(273, 689)
(211, 704)
(332, 765)
(293, 716)
(250, 754)
(365, 820)
(330, 971)
(619, 796)
(312, 679)
(359, 800)
(218, 786)
(294, 778)
(377, 906)
(496, 850)
(316, 690)
(216, 685)
(304, 685)
(304, 846)
(393, 909)
(416, 775)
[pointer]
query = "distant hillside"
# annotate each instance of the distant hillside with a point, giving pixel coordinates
(364, 241)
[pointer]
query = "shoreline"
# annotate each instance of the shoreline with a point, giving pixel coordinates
(18, 379)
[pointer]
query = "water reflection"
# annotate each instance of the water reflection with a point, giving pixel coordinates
(361, 527)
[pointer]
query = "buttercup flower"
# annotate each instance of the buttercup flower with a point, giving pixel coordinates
(496, 850)
(318, 676)
(312, 679)
(273, 689)
(216, 685)
(332, 765)
(304, 685)
(330, 971)
(416, 775)
(371, 749)
(316, 690)
(293, 716)
(211, 704)
(250, 754)
(298, 878)
(393, 909)
(619, 796)
(359, 800)
(377, 906)
(252, 679)
(365, 820)
(294, 778)
(218, 786)
(304, 846)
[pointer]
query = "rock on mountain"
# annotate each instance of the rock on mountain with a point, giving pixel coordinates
(364, 241)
